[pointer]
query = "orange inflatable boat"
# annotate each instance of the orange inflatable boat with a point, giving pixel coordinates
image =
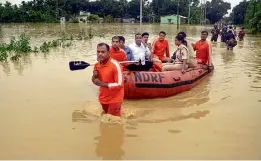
(141, 85)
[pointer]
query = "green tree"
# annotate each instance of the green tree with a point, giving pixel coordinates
(238, 13)
(93, 17)
(252, 16)
(133, 8)
(51, 10)
(217, 9)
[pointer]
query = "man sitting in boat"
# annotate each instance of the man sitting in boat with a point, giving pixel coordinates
(157, 66)
(107, 74)
(180, 62)
(141, 53)
(127, 50)
(160, 47)
(145, 39)
(115, 51)
(203, 50)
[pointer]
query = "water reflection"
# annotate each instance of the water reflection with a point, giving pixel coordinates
(63, 27)
(109, 143)
(255, 69)
(192, 31)
(18, 66)
(1, 34)
(197, 96)
(222, 45)
(80, 116)
(27, 60)
(195, 115)
(6, 67)
(240, 44)
(214, 44)
(22, 63)
(228, 56)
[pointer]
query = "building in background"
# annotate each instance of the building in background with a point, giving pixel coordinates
(172, 19)
(128, 20)
(83, 16)
(118, 20)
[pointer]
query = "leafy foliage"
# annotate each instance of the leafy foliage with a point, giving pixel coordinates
(249, 14)
(93, 18)
(238, 13)
(216, 10)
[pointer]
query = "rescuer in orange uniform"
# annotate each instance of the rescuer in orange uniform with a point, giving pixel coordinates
(160, 47)
(108, 75)
(116, 52)
(203, 50)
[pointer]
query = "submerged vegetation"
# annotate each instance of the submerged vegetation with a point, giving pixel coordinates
(21, 45)
(17, 47)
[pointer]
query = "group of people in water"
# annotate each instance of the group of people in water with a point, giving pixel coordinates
(144, 56)
(228, 35)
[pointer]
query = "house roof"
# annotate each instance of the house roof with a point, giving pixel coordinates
(174, 15)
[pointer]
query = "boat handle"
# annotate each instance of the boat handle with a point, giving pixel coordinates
(177, 79)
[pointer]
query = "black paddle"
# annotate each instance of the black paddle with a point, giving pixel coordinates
(79, 65)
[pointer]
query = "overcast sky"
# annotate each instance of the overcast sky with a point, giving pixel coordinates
(233, 2)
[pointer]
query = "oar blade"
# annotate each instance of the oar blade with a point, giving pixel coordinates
(78, 65)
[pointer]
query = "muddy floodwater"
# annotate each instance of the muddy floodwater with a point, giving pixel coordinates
(50, 112)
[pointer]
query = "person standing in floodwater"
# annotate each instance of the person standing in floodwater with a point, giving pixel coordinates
(224, 34)
(108, 75)
(231, 40)
(241, 34)
(215, 33)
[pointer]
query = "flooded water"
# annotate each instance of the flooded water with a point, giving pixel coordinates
(50, 112)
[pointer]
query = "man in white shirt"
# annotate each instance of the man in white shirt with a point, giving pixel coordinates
(140, 52)
(145, 39)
